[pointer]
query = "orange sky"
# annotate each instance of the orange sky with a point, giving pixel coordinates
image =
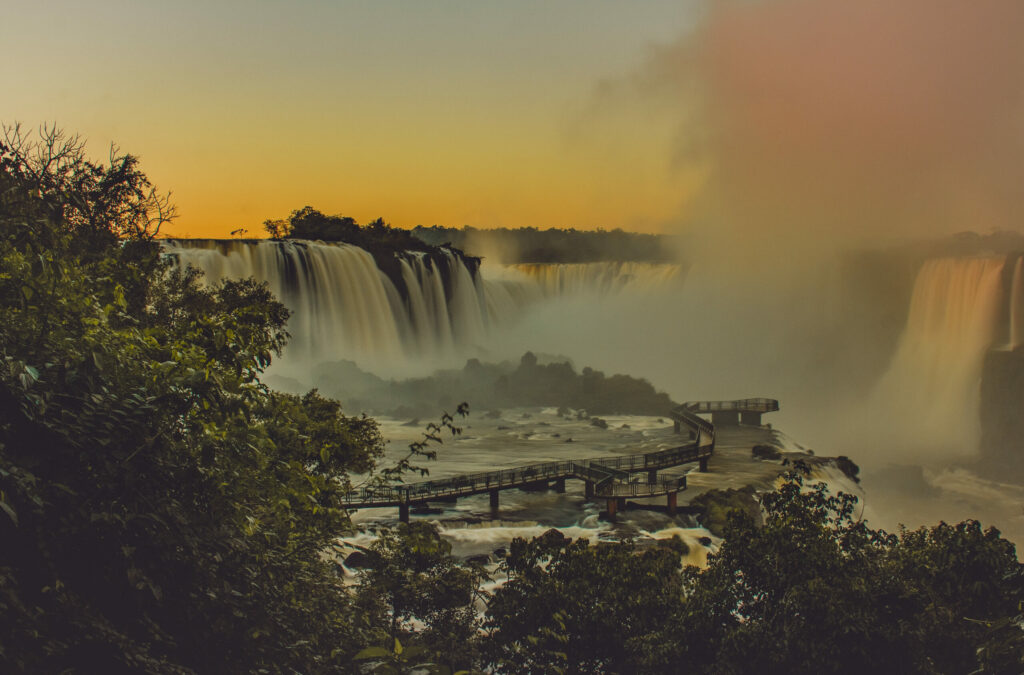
(460, 113)
(737, 118)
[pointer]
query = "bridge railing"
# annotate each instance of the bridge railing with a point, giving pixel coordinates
(750, 404)
(609, 474)
(640, 489)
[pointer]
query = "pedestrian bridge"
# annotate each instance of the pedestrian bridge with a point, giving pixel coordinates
(608, 478)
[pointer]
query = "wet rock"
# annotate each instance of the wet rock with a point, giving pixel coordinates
(553, 537)
(482, 559)
(357, 560)
(765, 452)
(500, 553)
(704, 541)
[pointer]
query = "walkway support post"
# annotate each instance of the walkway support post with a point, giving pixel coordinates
(559, 486)
(672, 503)
(494, 501)
(750, 417)
(403, 512)
(588, 489)
(613, 508)
(703, 464)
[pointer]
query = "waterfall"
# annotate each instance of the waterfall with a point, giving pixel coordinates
(433, 311)
(932, 386)
(344, 307)
(601, 278)
(1016, 310)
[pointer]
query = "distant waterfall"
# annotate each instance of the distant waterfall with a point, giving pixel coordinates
(600, 278)
(1017, 305)
(932, 385)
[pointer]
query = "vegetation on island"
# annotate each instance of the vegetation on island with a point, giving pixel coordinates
(162, 510)
(493, 386)
(387, 244)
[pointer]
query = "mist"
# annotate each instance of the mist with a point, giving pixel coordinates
(832, 140)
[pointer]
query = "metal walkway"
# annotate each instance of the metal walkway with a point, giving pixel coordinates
(605, 477)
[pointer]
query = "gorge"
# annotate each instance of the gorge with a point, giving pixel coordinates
(889, 345)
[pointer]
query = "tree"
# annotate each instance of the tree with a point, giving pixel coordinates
(415, 592)
(162, 510)
(812, 589)
(575, 608)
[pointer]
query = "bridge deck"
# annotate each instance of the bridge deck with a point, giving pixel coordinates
(761, 405)
(609, 475)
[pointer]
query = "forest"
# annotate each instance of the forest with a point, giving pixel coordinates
(163, 510)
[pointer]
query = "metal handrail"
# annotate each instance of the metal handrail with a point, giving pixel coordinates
(608, 474)
(742, 405)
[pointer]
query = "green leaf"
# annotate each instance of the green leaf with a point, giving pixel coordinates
(9, 511)
(372, 653)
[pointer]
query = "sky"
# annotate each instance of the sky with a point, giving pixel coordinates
(745, 120)
(451, 113)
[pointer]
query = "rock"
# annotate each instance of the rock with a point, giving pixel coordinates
(357, 560)
(482, 559)
(500, 553)
(704, 541)
(765, 452)
(598, 422)
(847, 466)
(553, 537)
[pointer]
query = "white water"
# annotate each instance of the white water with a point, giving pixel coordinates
(344, 307)
(600, 278)
(929, 396)
(1017, 305)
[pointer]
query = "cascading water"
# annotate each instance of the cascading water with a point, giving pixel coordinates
(931, 390)
(1016, 307)
(599, 278)
(344, 307)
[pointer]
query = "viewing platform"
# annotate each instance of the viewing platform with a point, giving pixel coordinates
(608, 478)
(734, 413)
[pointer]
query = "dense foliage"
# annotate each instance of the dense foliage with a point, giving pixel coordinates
(387, 244)
(163, 511)
(494, 386)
